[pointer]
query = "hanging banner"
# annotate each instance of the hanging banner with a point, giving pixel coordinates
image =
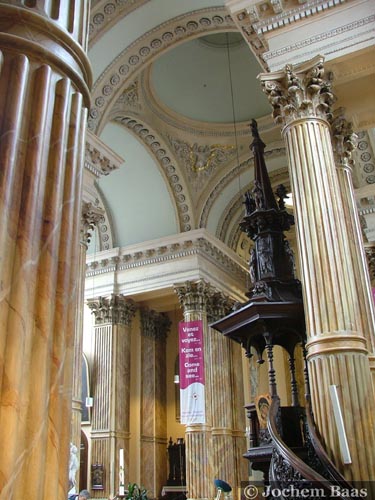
(192, 400)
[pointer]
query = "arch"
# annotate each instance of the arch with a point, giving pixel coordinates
(163, 157)
(144, 50)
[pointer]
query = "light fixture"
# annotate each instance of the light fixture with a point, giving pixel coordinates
(176, 379)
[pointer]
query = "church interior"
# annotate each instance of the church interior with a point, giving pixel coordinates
(187, 254)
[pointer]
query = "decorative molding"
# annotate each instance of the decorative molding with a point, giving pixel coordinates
(159, 150)
(90, 218)
(154, 325)
(99, 158)
(344, 140)
(115, 310)
(225, 180)
(130, 97)
(199, 246)
(299, 91)
(202, 158)
(105, 14)
(364, 160)
(145, 49)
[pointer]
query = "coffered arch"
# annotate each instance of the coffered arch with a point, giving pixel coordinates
(134, 58)
(159, 149)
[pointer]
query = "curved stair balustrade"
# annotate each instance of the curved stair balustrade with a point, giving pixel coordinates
(288, 468)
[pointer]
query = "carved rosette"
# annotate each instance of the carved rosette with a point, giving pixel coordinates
(194, 296)
(115, 310)
(218, 306)
(299, 91)
(90, 218)
(344, 140)
(155, 325)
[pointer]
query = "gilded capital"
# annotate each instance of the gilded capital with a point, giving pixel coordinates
(90, 217)
(115, 310)
(155, 325)
(344, 140)
(299, 91)
(194, 296)
(218, 306)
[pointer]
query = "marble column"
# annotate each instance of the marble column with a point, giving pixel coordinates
(90, 217)
(302, 97)
(154, 330)
(194, 297)
(111, 389)
(44, 95)
(227, 396)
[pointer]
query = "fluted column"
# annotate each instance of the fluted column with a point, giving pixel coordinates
(337, 348)
(111, 388)
(228, 417)
(154, 329)
(193, 298)
(44, 95)
(90, 217)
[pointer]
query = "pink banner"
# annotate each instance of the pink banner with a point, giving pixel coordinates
(191, 372)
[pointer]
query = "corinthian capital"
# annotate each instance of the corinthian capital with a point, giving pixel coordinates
(91, 216)
(155, 325)
(299, 91)
(115, 310)
(344, 140)
(194, 296)
(218, 306)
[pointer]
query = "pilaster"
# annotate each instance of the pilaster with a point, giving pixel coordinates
(111, 410)
(45, 78)
(302, 97)
(90, 217)
(154, 329)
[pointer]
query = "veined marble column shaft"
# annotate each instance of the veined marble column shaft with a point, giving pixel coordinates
(337, 349)
(228, 416)
(44, 95)
(153, 401)
(193, 298)
(111, 410)
(90, 217)
(344, 142)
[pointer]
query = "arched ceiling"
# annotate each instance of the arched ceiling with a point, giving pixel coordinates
(181, 85)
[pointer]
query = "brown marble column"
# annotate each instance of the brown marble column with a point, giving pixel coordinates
(194, 298)
(302, 97)
(90, 217)
(154, 329)
(44, 95)
(227, 396)
(111, 388)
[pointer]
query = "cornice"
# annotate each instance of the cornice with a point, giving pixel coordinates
(168, 250)
(99, 158)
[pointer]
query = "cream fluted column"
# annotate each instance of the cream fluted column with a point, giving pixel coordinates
(111, 388)
(344, 141)
(44, 95)
(337, 350)
(90, 217)
(154, 330)
(227, 396)
(193, 297)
